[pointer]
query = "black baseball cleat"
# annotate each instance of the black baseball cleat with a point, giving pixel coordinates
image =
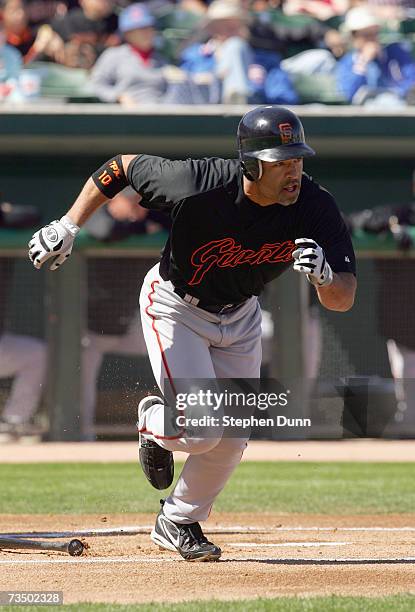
(156, 462)
(188, 540)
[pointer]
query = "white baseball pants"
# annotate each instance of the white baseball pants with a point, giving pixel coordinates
(24, 359)
(402, 362)
(184, 341)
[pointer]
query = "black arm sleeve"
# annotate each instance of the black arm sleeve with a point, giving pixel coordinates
(164, 182)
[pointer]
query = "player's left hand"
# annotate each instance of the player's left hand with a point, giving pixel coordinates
(311, 260)
(54, 241)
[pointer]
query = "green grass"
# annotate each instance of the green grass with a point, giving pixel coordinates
(397, 603)
(337, 488)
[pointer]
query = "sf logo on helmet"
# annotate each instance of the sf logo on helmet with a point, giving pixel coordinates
(286, 132)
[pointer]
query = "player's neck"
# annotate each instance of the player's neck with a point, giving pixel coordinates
(254, 193)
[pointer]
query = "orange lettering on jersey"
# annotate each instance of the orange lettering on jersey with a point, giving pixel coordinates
(226, 253)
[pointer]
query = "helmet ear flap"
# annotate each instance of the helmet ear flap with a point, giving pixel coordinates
(252, 169)
(260, 168)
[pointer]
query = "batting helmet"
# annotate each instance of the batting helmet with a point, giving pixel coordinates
(269, 133)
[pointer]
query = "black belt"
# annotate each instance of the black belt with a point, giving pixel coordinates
(214, 308)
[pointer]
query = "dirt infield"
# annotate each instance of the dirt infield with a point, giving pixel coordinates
(265, 555)
(364, 450)
(285, 555)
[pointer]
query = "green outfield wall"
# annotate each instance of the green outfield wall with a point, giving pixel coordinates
(47, 152)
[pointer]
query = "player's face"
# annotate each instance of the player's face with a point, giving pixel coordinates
(281, 180)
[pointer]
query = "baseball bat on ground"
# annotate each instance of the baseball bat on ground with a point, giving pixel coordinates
(123, 531)
(74, 547)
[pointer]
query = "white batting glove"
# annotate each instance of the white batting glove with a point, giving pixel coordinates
(310, 259)
(53, 241)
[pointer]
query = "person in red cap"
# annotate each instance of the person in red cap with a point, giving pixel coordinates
(131, 73)
(87, 31)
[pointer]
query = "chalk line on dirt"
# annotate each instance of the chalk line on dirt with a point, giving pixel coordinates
(293, 561)
(146, 529)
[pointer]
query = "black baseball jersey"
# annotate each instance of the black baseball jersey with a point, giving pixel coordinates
(223, 248)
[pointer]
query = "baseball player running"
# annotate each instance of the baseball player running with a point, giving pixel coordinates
(237, 225)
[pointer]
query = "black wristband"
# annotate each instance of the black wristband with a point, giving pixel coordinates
(110, 178)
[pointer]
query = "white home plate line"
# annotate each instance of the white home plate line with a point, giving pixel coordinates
(343, 529)
(146, 529)
(288, 544)
(78, 560)
(115, 560)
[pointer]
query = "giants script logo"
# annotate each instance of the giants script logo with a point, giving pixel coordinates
(226, 253)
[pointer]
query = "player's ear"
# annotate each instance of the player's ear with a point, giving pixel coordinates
(252, 169)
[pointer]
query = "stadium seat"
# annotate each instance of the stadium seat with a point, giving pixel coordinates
(317, 88)
(407, 26)
(59, 81)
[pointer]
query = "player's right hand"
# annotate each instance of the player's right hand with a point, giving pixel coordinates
(54, 241)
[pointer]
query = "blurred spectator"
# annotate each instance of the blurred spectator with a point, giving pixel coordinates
(242, 74)
(123, 217)
(31, 42)
(392, 12)
(396, 324)
(372, 73)
(171, 14)
(270, 83)
(87, 31)
(16, 26)
(320, 9)
(336, 41)
(272, 29)
(265, 5)
(42, 12)
(10, 66)
(113, 320)
(16, 216)
(22, 358)
(319, 61)
(289, 34)
(395, 282)
(192, 6)
(226, 54)
(269, 30)
(131, 74)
